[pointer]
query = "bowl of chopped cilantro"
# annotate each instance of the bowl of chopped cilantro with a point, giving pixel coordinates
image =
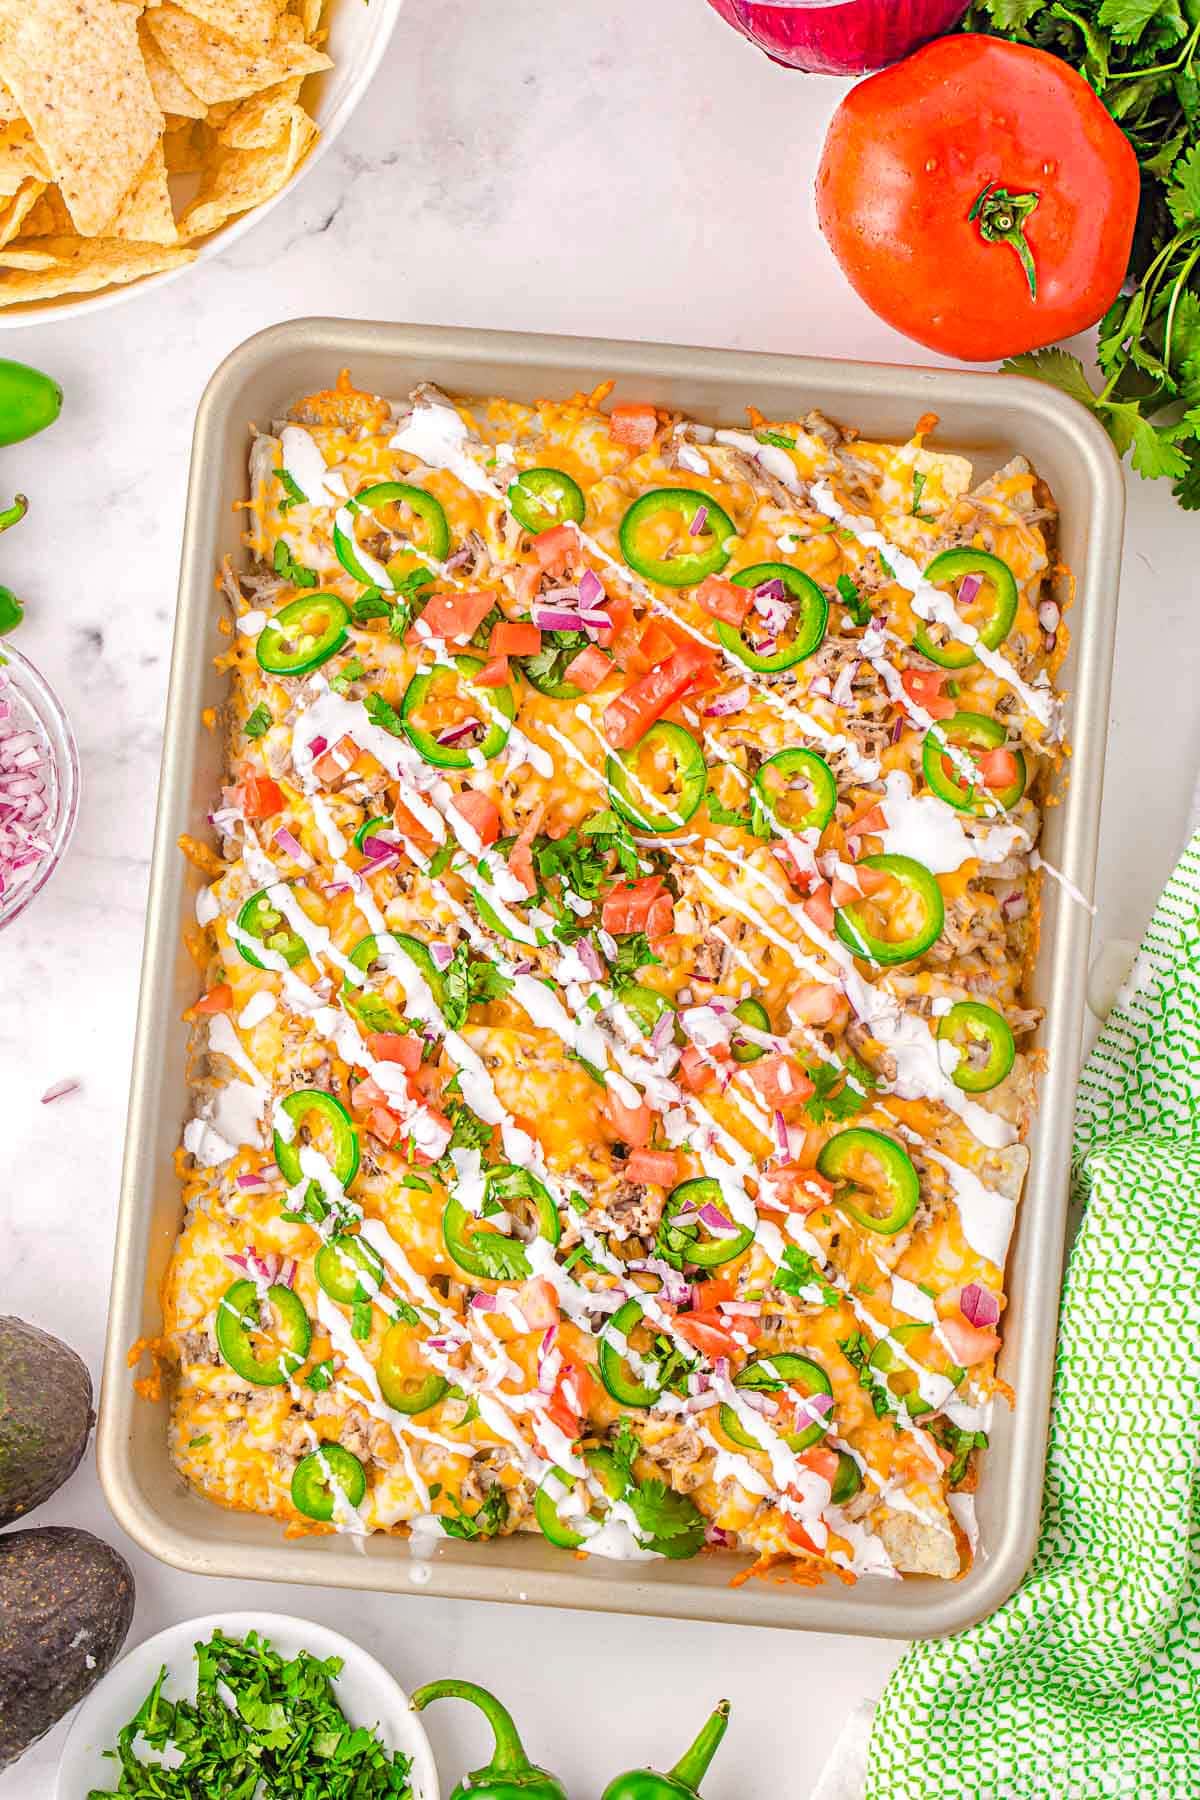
(247, 1706)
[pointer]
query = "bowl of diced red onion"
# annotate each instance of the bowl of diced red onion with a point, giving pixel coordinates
(39, 783)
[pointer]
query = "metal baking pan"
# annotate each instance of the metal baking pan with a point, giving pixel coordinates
(987, 416)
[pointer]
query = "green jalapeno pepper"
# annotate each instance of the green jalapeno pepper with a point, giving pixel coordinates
(810, 615)
(11, 609)
(847, 1481)
(541, 498)
(435, 532)
(558, 1484)
(367, 954)
(478, 1252)
(792, 775)
(29, 401)
(693, 1238)
(627, 776)
(509, 1775)
(314, 1107)
(994, 606)
(683, 1781)
(405, 1380)
(261, 918)
(645, 1006)
(627, 1386)
(890, 1178)
(371, 828)
(319, 1473)
(239, 1316)
(919, 891)
(753, 1013)
(349, 1269)
(303, 634)
(969, 731)
(770, 1375)
(686, 559)
(985, 1044)
(497, 705)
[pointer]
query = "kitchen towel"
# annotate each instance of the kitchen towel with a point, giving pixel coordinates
(1086, 1684)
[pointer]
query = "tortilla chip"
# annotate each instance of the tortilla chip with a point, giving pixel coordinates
(49, 218)
(14, 212)
(250, 23)
(187, 151)
(259, 122)
(145, 215)
(309, 14)
(84, 264)
(20, 157)
(9, 110)
(75, 69)
(919, 1547)
(240, 179)
(213, 66)
(20, 256)
(172, 94)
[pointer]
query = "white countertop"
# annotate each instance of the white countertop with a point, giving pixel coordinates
(562, 169)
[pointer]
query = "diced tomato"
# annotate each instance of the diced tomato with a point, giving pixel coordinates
(656, 643)
(660, 920)
(632, 1124)
(816, 1003)
(923, 687)
(621, 635)
(780, 1080)
(819, 907)
(589, 669)
(384, 1125)
(403, 1047)
(821, 1461)
(456, 615)
(628, 718)
(724, 600)
(998, 768)
(514, 637)
(368, 1093)
(573, 1395)
(336, 762)
(872, 819)
(539, 1303)
(520, 857)
(218, 999)
(694, 1073)
(410, 827)
(844, 893)
(711, 1332)
(796, 1532)
(526, 580)
(494, 673)
(481, 812)
(556, 549)
(969, 1344)
(629, 906)
(259, 797)
(632, 424)
(794, 1189)
(658, 1166)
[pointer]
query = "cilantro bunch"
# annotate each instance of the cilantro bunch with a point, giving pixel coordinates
(1140, 57)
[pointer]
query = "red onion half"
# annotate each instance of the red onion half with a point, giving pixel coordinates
(840, 37)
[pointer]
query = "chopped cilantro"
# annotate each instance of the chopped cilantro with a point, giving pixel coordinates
(853, 601)
(293, 493)
(381, 712)
(960, 1445)
(490, 1518)
(857, 1351)
(779, 438)
(840, 1091)
(198, 1443)
(370, 605)
(799, 1272)
(633, 953)
(362, 1319)
(351, 671)
(720, 814)
(440, 860)
(259, 722)
(545, 668)
(285, 564)
(919, 480)
(320, 1376)
(666, 1521)
(467, 983)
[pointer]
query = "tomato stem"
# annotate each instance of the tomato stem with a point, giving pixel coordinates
(1001, 217)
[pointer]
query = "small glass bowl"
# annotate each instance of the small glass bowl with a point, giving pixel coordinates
(32, 704)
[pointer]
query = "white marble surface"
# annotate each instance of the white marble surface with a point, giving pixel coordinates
(635, 172)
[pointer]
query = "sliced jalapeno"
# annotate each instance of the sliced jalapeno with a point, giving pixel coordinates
(406, 1381)
(667, 765)
(303, 634)
(871, 1172)
(986, 597)
(432, 533)
(487, 1254)
(633, 1379)
(969, 731)
(266, 1354)
(371, 828)
(318, 1474)
(794, 790)
(803, 631)
(771, 1375)
(349, 1269)
(260, 918)
(985, 1044)
(540, 498)
(645, 1005)
(901, 1381)
(847, 1481)
(328, 1125)
(496, 705)
(915, 913)
(370, 955)
(676, 536)
(557, 1485)
(695, 1226)
(753, 1013)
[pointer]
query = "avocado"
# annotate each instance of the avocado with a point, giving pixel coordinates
(45, 1416)
(66, 1604)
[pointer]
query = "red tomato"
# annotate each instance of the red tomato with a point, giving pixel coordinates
(555, 548)
(632, 1124)
(384, 1125)
(631, 714)
(969, 1344)
(633, 425)
(409, 826)
(630, 906)
(337, 761)
(816, 1003)
(520, 857)
(538, 1302)
(694, 1073)
(821, 1461)
(655, 643)
(481, 811)
(723, 599)
(998, 767)
(795, 1530)
(494, 673)
(218, 999)
(710, 1332)
(403, 1047)
(658, 1166)
(819, 907)
(260, 797)
(589, 669)
(780, 1080)
(794, 1189)
(514, 638)
(979, 197)
(456, 615)
(923, 687)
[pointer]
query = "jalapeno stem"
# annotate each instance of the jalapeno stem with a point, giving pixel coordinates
(508, 1756)
(693, 1765)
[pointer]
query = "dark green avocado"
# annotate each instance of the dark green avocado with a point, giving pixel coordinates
(45, 1416)
(66, 1603)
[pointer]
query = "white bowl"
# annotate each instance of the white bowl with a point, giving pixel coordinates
(359, 34)
(368, 1695)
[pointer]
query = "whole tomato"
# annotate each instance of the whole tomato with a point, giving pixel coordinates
(979, 198)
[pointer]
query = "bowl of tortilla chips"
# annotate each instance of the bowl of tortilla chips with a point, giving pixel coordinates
(139, 136)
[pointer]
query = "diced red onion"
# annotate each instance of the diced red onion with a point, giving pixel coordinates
(317, 744)
(664, 1026)
(251, 1178)
(555, 618)
(380, 863)
(589, 956)
(782, 1141)
(59, 1090)
(721, 1368)
(699, 1402)
(560, 596)
(1014, 905)
(770, 590)
(898, 728)
(375, 845)
(699, 521)
(718, 1537)
(483, 1302)
(687, 1215)
(760, 1403)
(733, 701)
(442, 955)
(714, 1218)
(459, 558)
(287, 1272)
(979, 1306)
(591, 589)
(842, 692)
(292, 846)
(454, 734)
(968, 587)
(523, 968)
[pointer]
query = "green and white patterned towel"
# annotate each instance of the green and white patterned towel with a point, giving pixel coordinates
(1087, 1682)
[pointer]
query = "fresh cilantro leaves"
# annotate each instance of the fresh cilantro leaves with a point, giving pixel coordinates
(857, 1350)
(381, 712)
(720, 814)
(839, 1092)
(799, 1273)
(370, 605)
(490, 1518)
(919, 480)
(285, 565)
(666, 1521)
(349, 672)
(293, 493)
(259, 722)
(633, 953)
(320, 1376)
(853, 601)
(960, 1445)
(585, 858)
(467, 982)
(779, 438)
(546, 668)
